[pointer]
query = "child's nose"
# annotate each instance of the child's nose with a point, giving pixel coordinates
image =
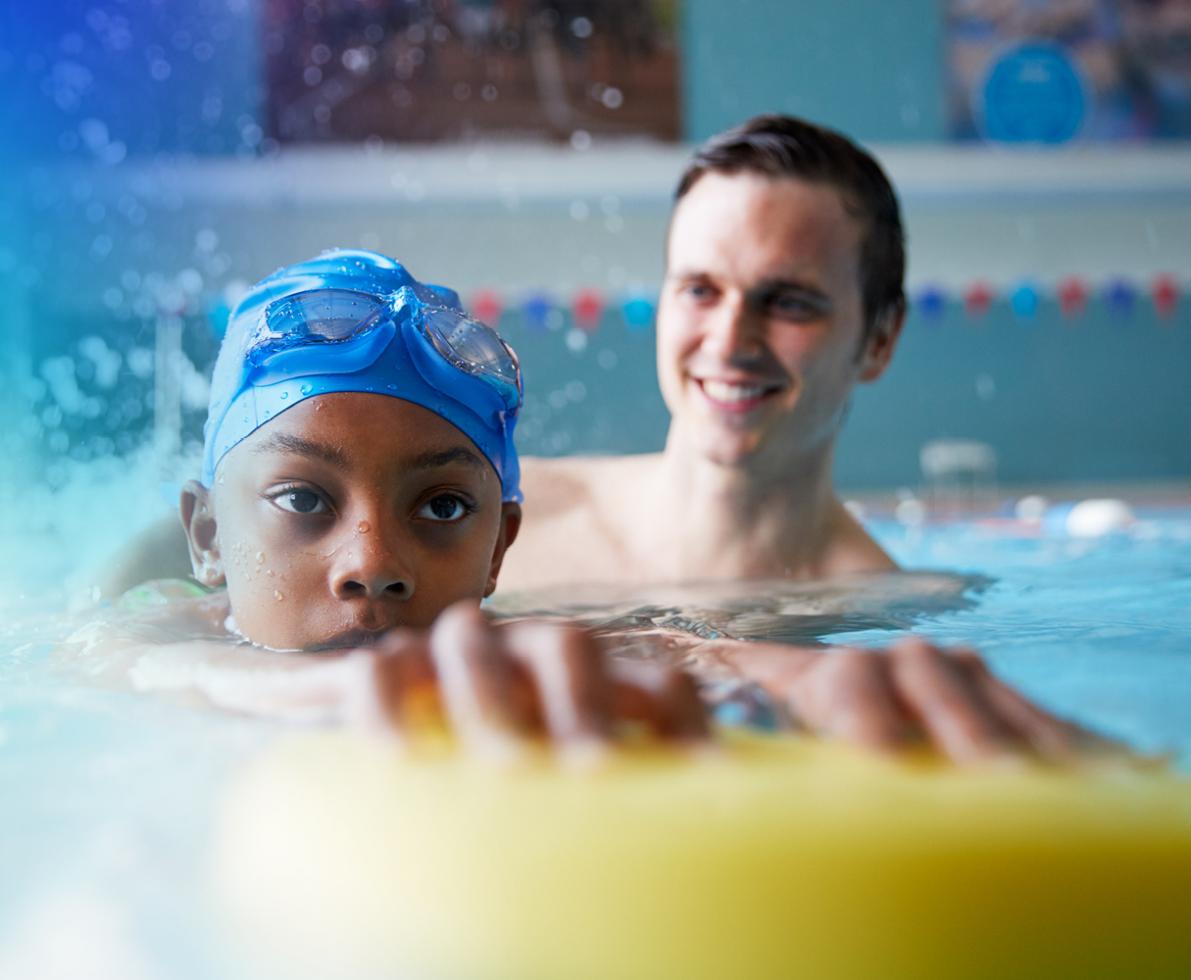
(372, 566)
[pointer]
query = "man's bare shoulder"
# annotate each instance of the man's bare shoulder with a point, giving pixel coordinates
(851, 549)
(564, 485)
(577, 527)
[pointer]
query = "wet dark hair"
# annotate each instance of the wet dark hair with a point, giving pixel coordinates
(783, 146)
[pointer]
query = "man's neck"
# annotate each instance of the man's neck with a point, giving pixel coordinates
(759, 518)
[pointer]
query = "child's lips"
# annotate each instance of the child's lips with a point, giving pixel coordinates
(350, 640)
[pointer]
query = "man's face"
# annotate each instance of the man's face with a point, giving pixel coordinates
(350, 514)
(760, 322)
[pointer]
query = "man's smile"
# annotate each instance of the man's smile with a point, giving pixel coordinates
(738, 395)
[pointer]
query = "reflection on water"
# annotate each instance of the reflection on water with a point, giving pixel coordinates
(776, 610)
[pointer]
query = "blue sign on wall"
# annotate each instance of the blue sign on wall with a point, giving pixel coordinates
(1033, 93)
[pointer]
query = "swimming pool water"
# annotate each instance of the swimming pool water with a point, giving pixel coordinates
(108, 796)
(1097, 629)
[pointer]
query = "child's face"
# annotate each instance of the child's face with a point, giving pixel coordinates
(347, 515)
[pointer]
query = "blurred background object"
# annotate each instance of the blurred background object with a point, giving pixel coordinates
(525, 151)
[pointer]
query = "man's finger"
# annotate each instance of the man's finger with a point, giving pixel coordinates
(1052, 739)
(954, 710)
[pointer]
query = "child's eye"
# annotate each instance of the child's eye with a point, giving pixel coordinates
(445, 507)
(301, 502)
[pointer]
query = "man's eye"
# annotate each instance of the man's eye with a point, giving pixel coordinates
(301, 502)
(699, 291)
(793, 307)
(445, 507)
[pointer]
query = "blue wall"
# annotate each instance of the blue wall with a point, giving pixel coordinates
(1097, 397)
(873, 70)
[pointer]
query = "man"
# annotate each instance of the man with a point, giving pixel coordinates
(783, 290)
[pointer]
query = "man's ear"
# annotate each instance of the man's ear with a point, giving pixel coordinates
(510, 524)
(878, 347)
(198, 520)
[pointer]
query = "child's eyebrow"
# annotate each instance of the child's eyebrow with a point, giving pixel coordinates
(295, 445)
(457, 454)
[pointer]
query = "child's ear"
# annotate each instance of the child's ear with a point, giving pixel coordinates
(878, 347)
(198, 520)
(510, 524)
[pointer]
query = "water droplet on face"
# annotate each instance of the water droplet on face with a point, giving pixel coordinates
(277, 595)
(260, 557)
(363, 527)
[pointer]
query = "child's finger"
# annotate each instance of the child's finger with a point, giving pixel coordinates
(954, 710)
(405, 684)
(848, 694)
(488, 699)
(659, 697)
(568, 672)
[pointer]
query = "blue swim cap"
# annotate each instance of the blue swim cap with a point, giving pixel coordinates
(358, 321)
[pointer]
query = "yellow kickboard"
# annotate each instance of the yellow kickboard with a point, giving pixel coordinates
(777, 857)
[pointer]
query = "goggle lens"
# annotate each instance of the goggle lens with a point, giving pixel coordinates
(324, 314)
(472, 346)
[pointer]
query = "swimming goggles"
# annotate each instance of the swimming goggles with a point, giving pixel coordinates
(304, 320)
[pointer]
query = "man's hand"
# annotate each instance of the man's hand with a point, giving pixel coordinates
(912, 693)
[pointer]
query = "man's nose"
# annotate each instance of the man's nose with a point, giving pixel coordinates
(734, 331)
(372, 564)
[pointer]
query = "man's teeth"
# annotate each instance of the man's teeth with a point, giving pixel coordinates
(723, 392)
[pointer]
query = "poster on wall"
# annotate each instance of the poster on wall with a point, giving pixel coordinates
(1057, 71)
(444, 70)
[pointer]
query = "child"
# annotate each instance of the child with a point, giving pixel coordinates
(359, 472)
(359, 477)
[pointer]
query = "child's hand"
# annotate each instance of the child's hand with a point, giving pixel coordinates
(495, 686)
(912, 693)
